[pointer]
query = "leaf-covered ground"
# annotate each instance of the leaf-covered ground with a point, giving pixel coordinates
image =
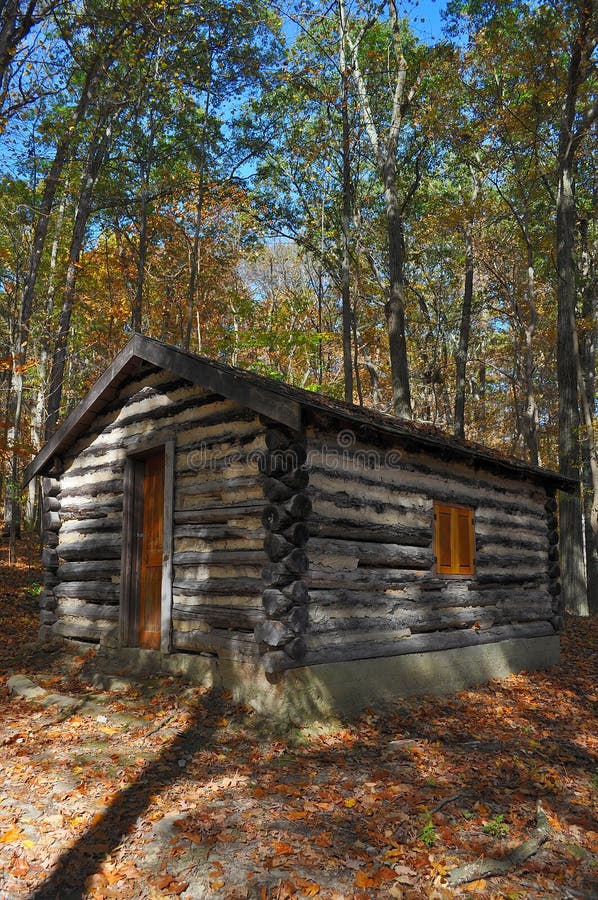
(169, 790)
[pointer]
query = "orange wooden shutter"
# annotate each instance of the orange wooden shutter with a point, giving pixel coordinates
(464, 528)
(444, 554)
(453, 540)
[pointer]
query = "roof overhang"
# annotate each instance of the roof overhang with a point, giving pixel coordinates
(276, 401)
(199, 371)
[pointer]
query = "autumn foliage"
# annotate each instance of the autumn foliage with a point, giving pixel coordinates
(166, 789)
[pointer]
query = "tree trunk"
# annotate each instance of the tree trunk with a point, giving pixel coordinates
(385, 153)
(194, 265)
(39, 411)
(395, 308)
(574, 586)
(464, 331)
(346, 215)
(589, 451)
(95, 158)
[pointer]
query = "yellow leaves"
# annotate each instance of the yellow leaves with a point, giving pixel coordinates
(77, 821)
(350, 802)
(13, 834)
(108, 729)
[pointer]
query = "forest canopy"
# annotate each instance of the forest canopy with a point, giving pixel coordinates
(392, 207)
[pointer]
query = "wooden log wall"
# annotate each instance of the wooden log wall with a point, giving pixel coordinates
(372, 585)
(217, 531)
(285, 598)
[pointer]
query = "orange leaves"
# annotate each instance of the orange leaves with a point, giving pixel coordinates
(169, 885)
(13, 834)
(375, 878)
(281, 848)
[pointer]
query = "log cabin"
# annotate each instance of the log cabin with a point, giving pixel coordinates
(306, 554)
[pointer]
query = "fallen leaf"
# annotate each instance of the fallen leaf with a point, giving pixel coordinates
(282, 849)
(13, 834)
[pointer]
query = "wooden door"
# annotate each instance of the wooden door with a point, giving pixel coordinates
(152, 547)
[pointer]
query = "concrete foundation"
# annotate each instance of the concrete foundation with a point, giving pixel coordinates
(340, 689)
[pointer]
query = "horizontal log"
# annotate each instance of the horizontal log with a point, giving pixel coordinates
(235, 647)
(217, 532)
(419, 643)
(101, 591)
(369, 579)
(489, 580)
(412, 597)
(222, 586)
(195, 489)
(501, 541)
(50, 539)
(91, 508)
(534, 561)
(219, 557)
(104, 547)
(444, 483)
(89, 490)
(91, 526)
(92, 611)
(81, 631)
(51, 504)
(232, 617)
(407, 536)
(373, 554)
(88, 570)
(218, 513)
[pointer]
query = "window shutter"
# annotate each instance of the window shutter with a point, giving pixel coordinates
(453, 540)
(444, 555)
(464, 525)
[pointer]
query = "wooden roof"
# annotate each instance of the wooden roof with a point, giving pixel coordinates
(278, 401)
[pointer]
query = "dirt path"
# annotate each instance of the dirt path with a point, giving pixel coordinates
(165, 789)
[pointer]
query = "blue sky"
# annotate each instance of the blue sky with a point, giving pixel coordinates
(425, 17)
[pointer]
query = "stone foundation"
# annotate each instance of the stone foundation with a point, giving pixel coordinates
(339, 689)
